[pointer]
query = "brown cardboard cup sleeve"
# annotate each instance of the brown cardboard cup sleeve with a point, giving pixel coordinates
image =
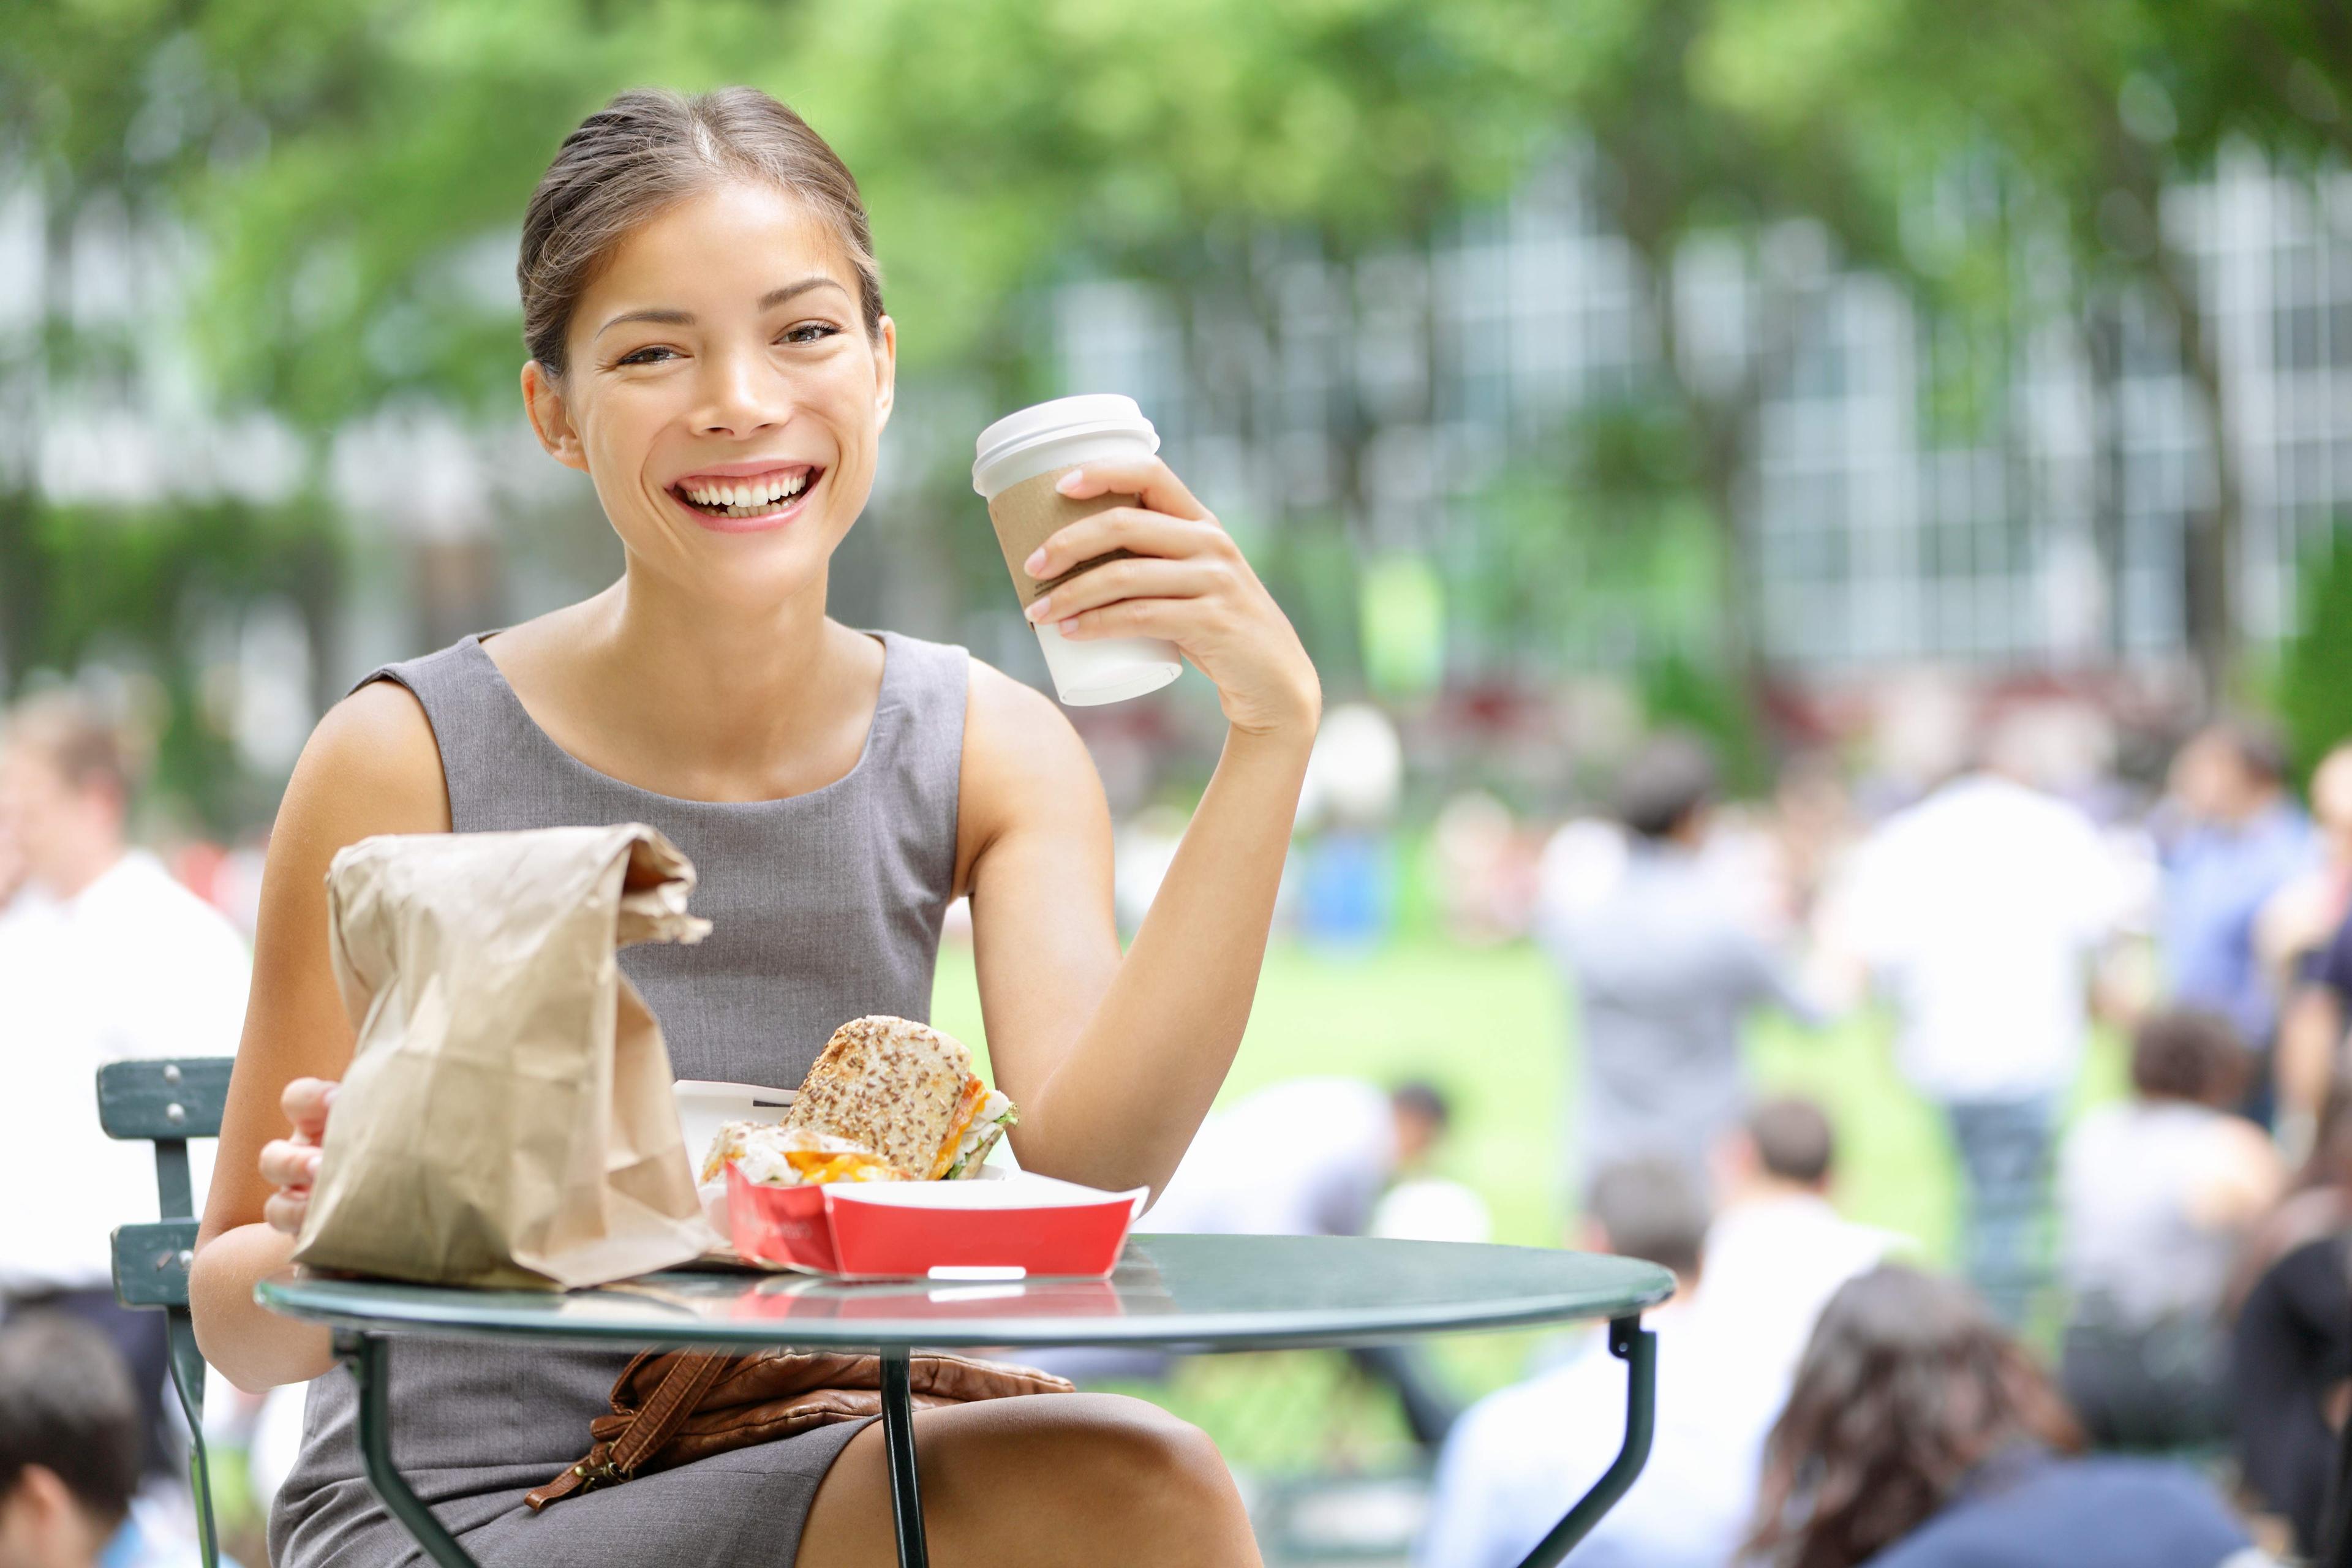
(1031, 512)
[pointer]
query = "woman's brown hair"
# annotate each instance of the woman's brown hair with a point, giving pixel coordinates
(1905, 1386)
(648, 150)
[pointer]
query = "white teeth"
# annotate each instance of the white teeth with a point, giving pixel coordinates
(748, 498)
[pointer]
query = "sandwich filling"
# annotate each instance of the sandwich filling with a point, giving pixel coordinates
(975, 1137)
(776, 1156)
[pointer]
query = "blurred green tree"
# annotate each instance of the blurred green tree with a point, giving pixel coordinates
(1685, 163)
(2315, 679)
(2078, 120)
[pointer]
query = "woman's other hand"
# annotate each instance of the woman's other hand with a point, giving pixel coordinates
(1185, 581)
(292, 1164)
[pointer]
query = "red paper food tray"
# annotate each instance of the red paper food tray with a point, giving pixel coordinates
(1021, 1226)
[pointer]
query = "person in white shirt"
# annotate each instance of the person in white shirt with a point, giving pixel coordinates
(1306, 1157)
(1519, 1458)
(1979, 912)
(1779, 1249)
(103, 958)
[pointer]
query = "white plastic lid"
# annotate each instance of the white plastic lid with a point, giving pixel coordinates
(1088, 414)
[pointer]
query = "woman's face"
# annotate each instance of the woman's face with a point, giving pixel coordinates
(724, 395)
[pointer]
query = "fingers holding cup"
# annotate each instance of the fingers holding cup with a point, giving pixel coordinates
(1134, 577)
(1149, 480)
(1132, 529)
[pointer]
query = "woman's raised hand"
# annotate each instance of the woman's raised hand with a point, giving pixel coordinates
(1186, 582)
(292, 1164)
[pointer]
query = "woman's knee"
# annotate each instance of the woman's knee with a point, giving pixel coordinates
(1109, 1464)
(1138, 1448)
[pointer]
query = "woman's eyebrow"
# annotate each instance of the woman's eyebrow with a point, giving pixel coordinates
(674, 318)
(775, 297)
(659, 317)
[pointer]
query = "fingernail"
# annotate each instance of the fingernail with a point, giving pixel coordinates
(1035, 565)
(329, 1098)
(1070, 480)
(311, 1164)
(1038, 609)
(1067, 627)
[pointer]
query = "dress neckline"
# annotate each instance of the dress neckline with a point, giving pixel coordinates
(885, 700)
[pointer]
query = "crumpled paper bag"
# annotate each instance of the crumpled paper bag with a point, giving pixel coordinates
(506, 1120)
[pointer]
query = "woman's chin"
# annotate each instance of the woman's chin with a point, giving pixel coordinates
(752, 571)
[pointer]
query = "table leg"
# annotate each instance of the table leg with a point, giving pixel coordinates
(1637, 1347)
(898, 1437)
(369, 1356)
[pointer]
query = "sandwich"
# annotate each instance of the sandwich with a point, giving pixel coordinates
(907, 1092)
(776, 1156)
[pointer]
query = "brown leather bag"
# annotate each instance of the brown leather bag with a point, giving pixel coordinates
(670, 1407)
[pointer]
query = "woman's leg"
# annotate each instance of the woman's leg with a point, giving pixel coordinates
(1043, 1481)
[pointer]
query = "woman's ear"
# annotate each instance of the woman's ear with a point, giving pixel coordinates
(885, 370)
(550, 420)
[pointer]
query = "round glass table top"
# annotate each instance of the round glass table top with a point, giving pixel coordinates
(1204, 1292)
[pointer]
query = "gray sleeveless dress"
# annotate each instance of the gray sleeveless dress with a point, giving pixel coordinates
(825, 907)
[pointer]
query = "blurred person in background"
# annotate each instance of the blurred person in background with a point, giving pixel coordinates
(1920, 1434)
(1518, 1457)
(1308, 1157)
(2305, 941)
(1663, 970)
(2156, 1196)
(1305, 1157)
(2291, 1383)
(70, 1438)
(1779, 1248)
(2318, 1201)
(1979, 912)
(117, 961)
(2240, 839)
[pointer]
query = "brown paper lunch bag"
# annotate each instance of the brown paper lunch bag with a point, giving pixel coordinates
(507, 1118)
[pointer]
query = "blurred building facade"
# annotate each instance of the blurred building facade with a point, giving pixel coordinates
(2044, 525)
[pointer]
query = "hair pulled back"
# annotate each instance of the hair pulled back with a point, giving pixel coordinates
(648, 150)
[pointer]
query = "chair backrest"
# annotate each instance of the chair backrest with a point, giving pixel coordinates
(169, 1102)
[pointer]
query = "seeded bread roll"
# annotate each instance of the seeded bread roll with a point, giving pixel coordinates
(901, 1088)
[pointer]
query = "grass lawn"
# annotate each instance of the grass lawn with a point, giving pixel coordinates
(1491, 1025)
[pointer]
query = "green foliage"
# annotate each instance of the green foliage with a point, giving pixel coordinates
(2314, 683)
(1679, 693)
(354, 173)
(145, 590)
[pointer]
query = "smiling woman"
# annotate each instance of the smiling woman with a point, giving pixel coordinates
(704, 318)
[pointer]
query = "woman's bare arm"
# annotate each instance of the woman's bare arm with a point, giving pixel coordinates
(1114, 1060)
(371, 767)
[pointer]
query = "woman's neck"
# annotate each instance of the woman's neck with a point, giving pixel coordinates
(686, 695)
(683, 653)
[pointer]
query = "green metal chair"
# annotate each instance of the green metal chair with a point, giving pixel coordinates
(169, 1102)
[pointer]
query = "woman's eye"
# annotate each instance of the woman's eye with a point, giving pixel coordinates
(810, 333)
(651, 354)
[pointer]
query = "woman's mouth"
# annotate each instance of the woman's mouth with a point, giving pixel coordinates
(728, 501)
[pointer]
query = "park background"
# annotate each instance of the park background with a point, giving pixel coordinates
(1568, 370)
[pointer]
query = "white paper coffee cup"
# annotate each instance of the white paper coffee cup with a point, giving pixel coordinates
(1019, 458)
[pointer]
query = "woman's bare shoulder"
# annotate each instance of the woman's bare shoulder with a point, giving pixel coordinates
(1023, 764)
(1012, 729)
(370, 766)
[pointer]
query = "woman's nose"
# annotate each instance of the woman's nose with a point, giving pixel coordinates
(741, 396)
